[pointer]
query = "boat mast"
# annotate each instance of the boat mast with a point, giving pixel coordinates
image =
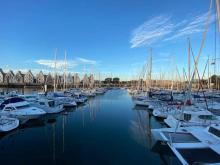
(201, 46)
(208, 74)
(65, 70)
(150, 68)
(218, 14)
(55, 74)
(189, 65)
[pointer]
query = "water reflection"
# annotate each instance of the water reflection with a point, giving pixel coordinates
(141, 127)
(108, 129)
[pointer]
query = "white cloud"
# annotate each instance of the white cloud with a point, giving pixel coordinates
(193, 26)
(59, 63)
(151, 31)
(162, 28)
(86, 61)
(168, 59)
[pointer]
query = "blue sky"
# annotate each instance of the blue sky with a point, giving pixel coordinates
(107, 36)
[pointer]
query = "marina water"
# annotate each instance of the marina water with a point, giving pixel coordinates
(108, 129)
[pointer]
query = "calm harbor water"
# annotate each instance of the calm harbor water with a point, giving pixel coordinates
(108, 130)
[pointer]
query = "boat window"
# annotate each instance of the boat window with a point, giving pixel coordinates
(29, 97)
(8, 108)
(22, 106)
(206, 117)
(214, 131)
(16, 99)
(51, 103)
(42, 103)
(187, 117)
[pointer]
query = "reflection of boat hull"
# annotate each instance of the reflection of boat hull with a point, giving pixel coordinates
(8, 124)
(141, 103)
(25, 117)
(50, 110)
(70, 105)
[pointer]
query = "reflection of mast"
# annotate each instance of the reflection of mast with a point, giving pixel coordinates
(63, 127)
(54, 141)
(144, 126)
(83, 120)
(148, 116)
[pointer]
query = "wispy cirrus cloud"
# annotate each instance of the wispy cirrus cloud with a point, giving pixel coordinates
(196, 25)
(151, 31)
(163, 28)
(61, 63)
(86, 61)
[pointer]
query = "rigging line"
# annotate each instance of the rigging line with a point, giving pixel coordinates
(200, 84)
(205, 69)
(203, 39)
(215, 41)
(218, 14)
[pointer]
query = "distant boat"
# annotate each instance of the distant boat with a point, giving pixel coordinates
(61, 98)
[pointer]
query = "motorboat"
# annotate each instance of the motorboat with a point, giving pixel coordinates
(60, 98)
(21, 110)
(10, 100)
(100, 91)
(29, 98)
(49, 105)
(89, 93)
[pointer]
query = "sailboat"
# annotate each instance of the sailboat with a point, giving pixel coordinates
(143, 100)
(194, 144)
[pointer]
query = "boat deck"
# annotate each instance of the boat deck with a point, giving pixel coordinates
(203, 155)
(181, 137)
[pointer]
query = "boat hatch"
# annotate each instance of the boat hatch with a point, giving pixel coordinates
(214, 131)
(202, 155)
(23, 106)
(206, 117)
(187, 117)
(181, 137)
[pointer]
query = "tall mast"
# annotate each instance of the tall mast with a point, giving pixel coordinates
(218, 14)
(189, 65)
(208, 74)
(65, 68)
(84, 76)
(99, 80)
(150, 65)
(55, 74)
